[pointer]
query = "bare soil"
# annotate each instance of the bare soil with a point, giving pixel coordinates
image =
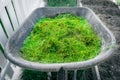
(109, 13)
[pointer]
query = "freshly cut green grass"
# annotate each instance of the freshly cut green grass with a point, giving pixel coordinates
(64, 38)
(59, 3)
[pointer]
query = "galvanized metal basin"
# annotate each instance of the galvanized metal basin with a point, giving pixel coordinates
(15, 42)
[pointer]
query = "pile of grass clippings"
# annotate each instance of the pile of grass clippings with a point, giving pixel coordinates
(64, 38)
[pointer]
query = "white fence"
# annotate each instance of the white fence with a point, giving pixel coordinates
(12, 15)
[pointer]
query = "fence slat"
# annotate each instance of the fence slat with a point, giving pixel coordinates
(3, 38)
(2, 60)
(3, 73)
(18, 6)
(6, 23)
(9, 72)
(12, 15)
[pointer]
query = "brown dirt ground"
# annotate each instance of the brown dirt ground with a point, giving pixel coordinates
(109, 13)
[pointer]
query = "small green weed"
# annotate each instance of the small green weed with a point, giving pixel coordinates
(59, 3)
(33, 75)
(64, 38)
(118, 2)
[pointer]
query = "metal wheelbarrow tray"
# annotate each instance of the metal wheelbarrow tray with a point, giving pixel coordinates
(14, 43)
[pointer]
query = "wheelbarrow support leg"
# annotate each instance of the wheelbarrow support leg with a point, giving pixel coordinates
(96, 73)
(61, 74)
